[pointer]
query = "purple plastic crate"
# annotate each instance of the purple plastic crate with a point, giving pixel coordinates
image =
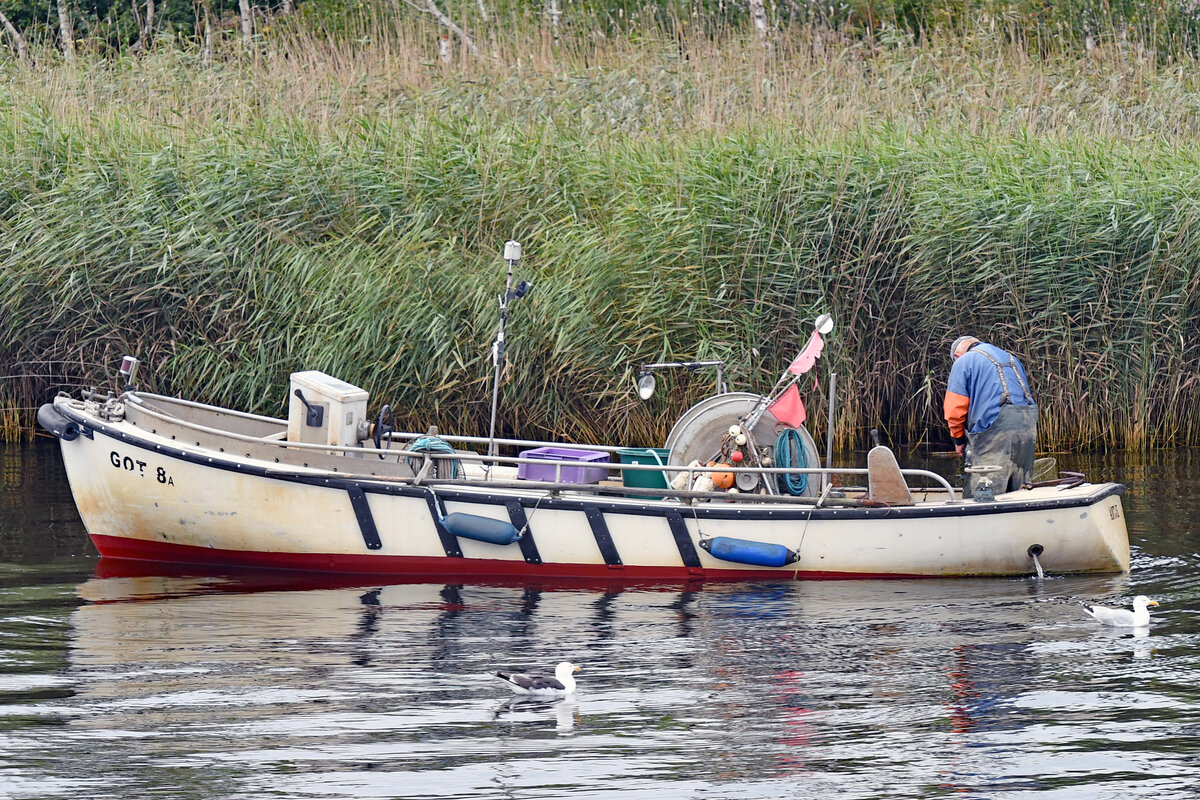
(569, 474)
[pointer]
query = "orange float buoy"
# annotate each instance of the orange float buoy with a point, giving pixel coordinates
(721, 480)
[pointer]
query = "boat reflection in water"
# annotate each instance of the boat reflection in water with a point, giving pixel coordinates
(313, 685)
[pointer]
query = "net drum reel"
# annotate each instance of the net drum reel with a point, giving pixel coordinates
(698, 434)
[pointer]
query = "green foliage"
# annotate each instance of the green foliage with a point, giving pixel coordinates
(108, 26)
(314, 205)
(1168, 28)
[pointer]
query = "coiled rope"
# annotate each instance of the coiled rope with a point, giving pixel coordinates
(432, 444)
(791, 452)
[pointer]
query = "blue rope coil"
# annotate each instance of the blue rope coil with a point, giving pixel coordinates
(791, 452)
(433, 444)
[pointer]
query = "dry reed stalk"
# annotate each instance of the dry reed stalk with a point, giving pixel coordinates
(681, 198)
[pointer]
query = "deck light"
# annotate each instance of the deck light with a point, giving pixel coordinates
(645, 385)
(128, 371)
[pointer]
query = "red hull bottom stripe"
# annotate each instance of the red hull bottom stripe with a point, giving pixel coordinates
(435, 567)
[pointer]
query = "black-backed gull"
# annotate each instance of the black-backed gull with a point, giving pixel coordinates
(562, 684)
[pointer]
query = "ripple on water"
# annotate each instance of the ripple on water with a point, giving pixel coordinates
(200, 686)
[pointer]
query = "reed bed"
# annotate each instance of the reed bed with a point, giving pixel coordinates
(340, 203)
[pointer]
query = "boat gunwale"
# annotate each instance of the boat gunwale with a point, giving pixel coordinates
(498, 460)
(574, 496)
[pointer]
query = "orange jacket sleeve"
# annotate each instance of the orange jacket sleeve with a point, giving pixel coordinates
(955, 410)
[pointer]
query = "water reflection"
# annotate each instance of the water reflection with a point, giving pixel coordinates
(533, 710)
(119, 680)
(869, 689)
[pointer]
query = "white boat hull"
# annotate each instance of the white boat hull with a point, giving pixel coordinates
(144, 495)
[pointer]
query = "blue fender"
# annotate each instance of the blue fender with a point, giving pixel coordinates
(481, 529)
(745, 551)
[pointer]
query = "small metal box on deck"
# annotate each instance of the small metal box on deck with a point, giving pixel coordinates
(326, 410)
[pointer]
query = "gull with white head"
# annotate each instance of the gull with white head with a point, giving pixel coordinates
(1123, 617)
(561, 685)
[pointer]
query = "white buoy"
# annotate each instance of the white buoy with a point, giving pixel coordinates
(680, 482)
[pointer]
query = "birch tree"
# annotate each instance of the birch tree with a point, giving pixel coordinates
(758, 15)
(486, 16)
(247, 15)
(17, 39)
(66, 29)
(207, 51)
(431, 7)
(144, 24)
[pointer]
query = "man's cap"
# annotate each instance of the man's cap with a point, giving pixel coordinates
(961, 342)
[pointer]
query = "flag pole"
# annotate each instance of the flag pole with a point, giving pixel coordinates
(822, 326)
(781, 386)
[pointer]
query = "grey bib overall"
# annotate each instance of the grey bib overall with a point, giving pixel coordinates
(1008, 442)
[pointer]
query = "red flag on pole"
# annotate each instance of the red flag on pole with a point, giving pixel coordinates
(788, 408)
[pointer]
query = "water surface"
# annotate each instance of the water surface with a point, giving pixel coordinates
(119, 682)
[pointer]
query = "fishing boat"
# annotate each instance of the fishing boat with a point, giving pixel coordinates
(738, 491)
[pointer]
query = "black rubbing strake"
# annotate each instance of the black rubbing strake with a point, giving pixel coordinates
(449, 540)
(603, 538)
(687, 551)
(516, 515)
(366, 522)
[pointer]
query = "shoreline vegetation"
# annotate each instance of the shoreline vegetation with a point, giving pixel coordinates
(337, 197)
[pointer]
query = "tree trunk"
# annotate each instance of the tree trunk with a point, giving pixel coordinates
(286, 7)
(247, 15)
(17, 39)
(553, 13)
(206, 53)
(148, 33)
(66, 29)
(432, 7)
(483, 12)
(758, 15)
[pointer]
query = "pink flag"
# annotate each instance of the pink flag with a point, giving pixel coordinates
(808, 356)
(788, 408)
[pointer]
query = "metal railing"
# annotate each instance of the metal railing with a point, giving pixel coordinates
(490, 461)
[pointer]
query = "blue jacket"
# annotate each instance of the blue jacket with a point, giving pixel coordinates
(976, 388)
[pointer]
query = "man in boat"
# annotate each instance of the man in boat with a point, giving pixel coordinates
(989, 406)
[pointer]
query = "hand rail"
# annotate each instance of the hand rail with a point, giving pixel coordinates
(134, 399)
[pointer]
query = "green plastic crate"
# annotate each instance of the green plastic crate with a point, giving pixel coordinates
(645, 478)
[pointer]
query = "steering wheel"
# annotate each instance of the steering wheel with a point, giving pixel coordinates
(383, 420)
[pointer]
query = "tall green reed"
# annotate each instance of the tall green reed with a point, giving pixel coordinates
(342, 208)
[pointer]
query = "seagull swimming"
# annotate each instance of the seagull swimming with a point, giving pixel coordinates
(562, 684)
(1121, 617)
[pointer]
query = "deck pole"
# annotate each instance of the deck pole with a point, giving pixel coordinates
(829, 433)
(512, 254)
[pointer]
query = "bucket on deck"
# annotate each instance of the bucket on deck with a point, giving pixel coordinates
(645, 478)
